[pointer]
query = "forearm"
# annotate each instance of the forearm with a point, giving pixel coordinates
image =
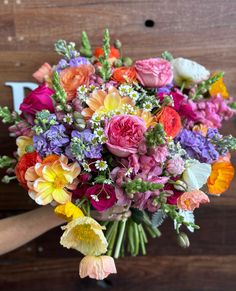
(18, 230)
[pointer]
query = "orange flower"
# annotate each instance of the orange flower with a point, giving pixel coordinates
(202, 128)
(170, 120)
(191, 200)
(124, 74)
(222, 173)
(114, 53)
(219, 88)
(43, 73)
(72, 78)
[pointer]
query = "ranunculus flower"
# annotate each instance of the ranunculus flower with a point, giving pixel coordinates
(72, 78)
(43, 73)
(188, 72)
(124, 134)
(37, 100)
(113, 56)
(124, 74)
(170, 120)
(192, 199)
(97, 267)
(101, 196)
(154, 72)
(26, 161)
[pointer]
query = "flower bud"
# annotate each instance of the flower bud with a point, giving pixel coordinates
(180, 185)
(117, 44)
(183, 240)
(127, 61)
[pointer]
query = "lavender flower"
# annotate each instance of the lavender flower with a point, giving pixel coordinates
(78, 61)
(197, 146)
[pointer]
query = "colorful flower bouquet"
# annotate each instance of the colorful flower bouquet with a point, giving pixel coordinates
(117, 147)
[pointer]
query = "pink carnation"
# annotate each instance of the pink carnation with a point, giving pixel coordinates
(192, 199)
(124, 134)
(154, 72)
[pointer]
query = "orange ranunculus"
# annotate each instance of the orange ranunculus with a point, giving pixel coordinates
(26, 161)
(222, 173)
(170, 120)
(114, 53)
(124, 74)
(72, 78)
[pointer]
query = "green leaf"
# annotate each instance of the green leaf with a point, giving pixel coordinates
(167, 56)
(6, 162)
(137, 215)
(158, 218)
(85, 49)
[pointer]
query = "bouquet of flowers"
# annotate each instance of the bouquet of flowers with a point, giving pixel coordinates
(116, 147)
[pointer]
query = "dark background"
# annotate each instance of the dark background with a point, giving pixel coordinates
(202, 30)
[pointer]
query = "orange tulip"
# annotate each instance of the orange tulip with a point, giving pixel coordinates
(222, 173)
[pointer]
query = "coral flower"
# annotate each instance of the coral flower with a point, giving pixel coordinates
(219, 88)
(102, 102)
(51, 181)
(124, 74)
(114, 53)
(222, 173)
(97, 267)
(191, 200)
(85, 235)
(22, 143)
(43, 73)
(73, 77)
(68, 211)
(170, 120)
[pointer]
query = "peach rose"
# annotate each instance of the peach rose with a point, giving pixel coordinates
(97, 267)
(191, 200)
(154, 72)
(72, 78)
(43, 73)
(124, 134)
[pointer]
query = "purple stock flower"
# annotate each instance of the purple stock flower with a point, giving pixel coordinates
(78, 61)
(197, 146)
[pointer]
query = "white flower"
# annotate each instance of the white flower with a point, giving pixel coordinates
(188, 72)
(134, 95)
(147, 106)
(188, 217)
(86, 167)
(196, 174)
(101, 165)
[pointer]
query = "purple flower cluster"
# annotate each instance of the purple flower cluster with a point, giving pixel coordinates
(74, 62)
(52, 141)
(197, 146)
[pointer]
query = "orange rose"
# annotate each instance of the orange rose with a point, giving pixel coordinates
(114, 53)
(124, 74)
(222, 173)
(26, 161)
(72, 78)
(170, 120)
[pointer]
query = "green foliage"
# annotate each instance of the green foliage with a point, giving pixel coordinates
(158, 218)
(105, 71)
(67, 50)
(155, 136)
(85, 49)
(8, 116)
(138, 185)
(60, 94)
(6, 162)
(226, 143)
(167, 56)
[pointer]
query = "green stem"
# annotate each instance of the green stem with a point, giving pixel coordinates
(131, 237)
(137, 239)
(112, 239)
(120, 238)
(182, 87)
(142, 243)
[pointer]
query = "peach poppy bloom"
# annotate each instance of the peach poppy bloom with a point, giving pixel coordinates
(191, 200)
(103, 102)
(222, 173)
(97, 267)
(43, 73)
(72, 78)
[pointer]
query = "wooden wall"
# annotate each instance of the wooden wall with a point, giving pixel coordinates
(198, 29)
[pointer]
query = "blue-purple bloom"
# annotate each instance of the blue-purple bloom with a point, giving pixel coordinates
(197, 146)
(74, 62)
(52, 141)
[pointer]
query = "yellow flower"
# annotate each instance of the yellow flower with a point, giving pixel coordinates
(85, 235)
(68, 211)
(22, 143)
(219, 88)
(147, 117)
(102, 102)
(51, 181)
(202, 128)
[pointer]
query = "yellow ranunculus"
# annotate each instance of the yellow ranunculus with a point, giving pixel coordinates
(68, 211)
(85, 235)
(22, 142)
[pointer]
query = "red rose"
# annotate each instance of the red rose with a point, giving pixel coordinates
(101, 196)
(26, 161)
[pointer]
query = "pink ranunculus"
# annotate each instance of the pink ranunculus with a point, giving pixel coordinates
(43, 73)
(154, 72)
(97, 267)
(37, 100)
(124, 134)
(191, 200)
(101, 196)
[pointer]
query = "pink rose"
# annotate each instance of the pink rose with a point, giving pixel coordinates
(192, 199)
(154, 72)
(37, 100)
(101, 196)
(124, 134)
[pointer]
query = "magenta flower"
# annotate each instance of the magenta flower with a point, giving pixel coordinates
(101, 196)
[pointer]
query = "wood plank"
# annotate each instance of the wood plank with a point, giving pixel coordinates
(158, 273)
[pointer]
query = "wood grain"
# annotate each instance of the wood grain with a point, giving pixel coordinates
(200, 30)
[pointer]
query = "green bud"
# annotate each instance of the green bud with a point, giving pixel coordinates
(118, 63)
(117, 44)
(183, 240)
(180, 185)
(29, 149)
(127, 61)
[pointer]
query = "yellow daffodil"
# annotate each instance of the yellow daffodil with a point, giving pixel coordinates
(22, 143)
(148, 118)
(219, 88)
(68, 211)
(85, 235)
(103, 102)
